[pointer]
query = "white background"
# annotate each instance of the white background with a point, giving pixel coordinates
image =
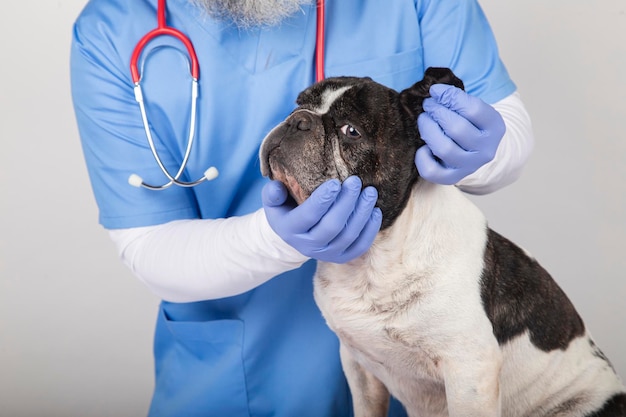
(76, 327)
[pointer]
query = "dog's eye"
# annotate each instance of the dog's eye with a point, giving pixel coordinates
(350, 131)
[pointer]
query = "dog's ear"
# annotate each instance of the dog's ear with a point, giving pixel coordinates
(412, 97)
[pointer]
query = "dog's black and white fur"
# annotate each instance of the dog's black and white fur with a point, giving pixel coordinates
(442, 312)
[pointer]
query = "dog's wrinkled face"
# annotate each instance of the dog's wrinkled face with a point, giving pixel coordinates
(351, 126)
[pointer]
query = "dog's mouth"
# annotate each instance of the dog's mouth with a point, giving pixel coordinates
(278, 171)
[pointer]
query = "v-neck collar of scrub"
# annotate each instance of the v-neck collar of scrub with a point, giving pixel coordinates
(260, 49)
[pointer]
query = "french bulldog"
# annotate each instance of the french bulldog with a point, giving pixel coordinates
(442, 312)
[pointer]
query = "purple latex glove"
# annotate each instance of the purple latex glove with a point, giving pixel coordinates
(337, 223)
(462, 133)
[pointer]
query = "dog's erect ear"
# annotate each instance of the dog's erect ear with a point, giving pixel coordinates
(413, 96)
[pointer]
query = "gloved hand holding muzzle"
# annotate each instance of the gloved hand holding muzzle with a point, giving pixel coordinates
(337, 223)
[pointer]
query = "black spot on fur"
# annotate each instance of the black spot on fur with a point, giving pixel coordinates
(613, 407)
(597, 352)
(519, 295)
(568, 407)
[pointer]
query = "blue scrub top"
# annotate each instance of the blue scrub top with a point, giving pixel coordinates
(268, 351)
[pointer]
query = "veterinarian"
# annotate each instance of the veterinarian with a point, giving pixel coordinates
(238, 332)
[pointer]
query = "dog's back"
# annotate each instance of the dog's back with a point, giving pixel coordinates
(530, 313)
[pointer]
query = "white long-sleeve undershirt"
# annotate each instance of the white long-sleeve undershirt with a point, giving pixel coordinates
(512, 153)
(201, 259)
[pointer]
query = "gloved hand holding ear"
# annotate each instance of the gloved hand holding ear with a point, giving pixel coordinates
(337, 223)
(462, 133)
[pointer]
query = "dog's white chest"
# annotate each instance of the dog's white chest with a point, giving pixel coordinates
(375, 325)
(397, 308)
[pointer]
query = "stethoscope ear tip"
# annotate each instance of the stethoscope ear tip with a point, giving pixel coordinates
(135, 180)
(211, 173)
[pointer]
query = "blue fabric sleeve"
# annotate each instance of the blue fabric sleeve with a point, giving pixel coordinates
(112, 134)
(456, 34)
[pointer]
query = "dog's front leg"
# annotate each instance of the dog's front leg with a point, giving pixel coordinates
(473, 385)
(370, 397)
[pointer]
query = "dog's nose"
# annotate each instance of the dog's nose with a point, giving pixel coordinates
(304, 125)
(302, 121)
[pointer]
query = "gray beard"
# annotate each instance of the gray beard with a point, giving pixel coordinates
(251, 13)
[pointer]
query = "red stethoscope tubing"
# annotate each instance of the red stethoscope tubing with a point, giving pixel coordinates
(319, 41)
(163, 30)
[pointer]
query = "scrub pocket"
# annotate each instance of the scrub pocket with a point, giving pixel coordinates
(398, 71)
(199, 368)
